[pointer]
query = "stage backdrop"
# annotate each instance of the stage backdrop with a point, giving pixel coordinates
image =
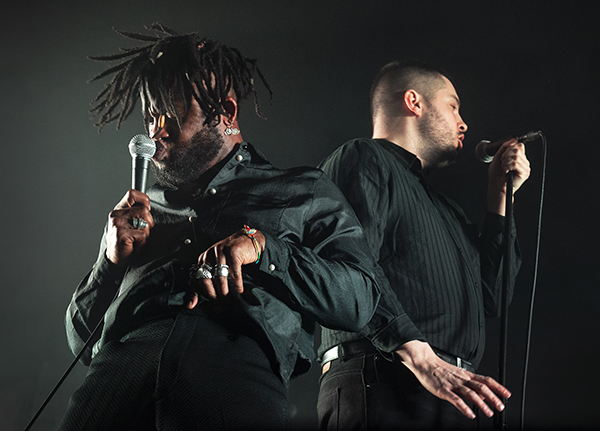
(517, 66)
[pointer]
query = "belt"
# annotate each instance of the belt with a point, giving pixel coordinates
(359, 347)
(347, 350)
(455, 360)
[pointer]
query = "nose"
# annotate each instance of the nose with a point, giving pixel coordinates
(462, 126)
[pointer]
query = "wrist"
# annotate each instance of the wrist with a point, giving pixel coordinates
(258, 240)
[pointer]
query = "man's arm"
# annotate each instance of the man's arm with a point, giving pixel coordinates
(509, 158)
(391, 330)
(438, 377)
(97, 290)
(451, 383)
(318, 262)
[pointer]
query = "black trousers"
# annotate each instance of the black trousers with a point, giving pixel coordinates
(368, 392)
(186, 373)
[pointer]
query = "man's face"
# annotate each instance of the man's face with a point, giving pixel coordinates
(442, 128)
(182, 155)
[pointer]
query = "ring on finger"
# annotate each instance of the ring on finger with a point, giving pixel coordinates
(139, 223)
(205, 271)
(221, 270)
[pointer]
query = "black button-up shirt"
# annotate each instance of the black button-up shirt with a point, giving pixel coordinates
(315, 266)
(438, 276)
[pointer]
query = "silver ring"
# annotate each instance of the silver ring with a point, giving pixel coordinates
(205, 271)
(221, 270)
(139, 223)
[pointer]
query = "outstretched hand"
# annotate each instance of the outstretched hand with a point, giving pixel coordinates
(220, 267)
(451, 383)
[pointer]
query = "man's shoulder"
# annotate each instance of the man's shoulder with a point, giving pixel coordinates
(360, 153)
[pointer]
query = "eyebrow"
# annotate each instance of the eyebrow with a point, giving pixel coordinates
(456, 98)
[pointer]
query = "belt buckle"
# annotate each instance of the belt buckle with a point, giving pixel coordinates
(331, 354)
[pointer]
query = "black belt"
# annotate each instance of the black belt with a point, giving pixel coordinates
(364, 347)
(455, 360)
(347, 350)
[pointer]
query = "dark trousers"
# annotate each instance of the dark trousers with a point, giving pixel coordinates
(188, 373)
(368, 392)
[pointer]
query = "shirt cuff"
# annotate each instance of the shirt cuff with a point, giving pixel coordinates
(399, 331)
(275, 257)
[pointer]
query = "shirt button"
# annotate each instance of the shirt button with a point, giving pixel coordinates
(213, 191)
(187, 241)
(271, 267)
(239, 157)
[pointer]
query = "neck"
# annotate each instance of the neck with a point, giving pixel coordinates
(403, 133)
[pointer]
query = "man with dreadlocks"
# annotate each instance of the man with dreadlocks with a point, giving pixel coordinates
(207, 289)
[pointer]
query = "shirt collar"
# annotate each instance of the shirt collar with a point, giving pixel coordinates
(406, 158)
(241, 154)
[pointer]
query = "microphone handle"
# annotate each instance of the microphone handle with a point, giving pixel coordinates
(139, 173)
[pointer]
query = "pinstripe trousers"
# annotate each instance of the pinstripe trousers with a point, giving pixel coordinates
(185, 373)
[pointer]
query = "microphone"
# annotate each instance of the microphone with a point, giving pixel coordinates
(485, 150)
(141, 148)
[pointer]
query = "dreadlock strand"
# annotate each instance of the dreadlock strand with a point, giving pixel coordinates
(112, 57)
(174, 68)
(163, 28)
(136, 36)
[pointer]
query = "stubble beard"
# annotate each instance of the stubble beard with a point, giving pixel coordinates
(438, 141)
(189, 160)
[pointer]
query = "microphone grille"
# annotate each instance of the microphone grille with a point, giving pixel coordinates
(480, 152)
(142, 146)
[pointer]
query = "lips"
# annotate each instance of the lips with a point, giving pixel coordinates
(161, 152)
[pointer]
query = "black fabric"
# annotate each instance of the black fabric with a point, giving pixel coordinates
(190, 373)
(439, 277)
(314, 269)
(370, 392)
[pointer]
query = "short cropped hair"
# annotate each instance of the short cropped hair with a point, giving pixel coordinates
(398, 77)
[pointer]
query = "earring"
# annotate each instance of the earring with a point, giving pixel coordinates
(230, 130)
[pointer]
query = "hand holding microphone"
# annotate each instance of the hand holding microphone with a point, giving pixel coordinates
(129, 223)
(508, 162)
(485, 150)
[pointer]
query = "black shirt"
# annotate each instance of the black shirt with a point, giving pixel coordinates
(438, 276)
(314, 268)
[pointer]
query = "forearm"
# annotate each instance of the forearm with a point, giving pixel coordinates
(90, 301)
(390, 326)
(491, 253)
(332, 286)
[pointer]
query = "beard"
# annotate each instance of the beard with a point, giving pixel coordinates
(438, 141)
(190, 159)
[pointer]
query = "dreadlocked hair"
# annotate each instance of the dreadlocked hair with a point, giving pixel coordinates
(173, 67)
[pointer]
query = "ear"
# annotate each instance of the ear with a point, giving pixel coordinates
(231, 108)
(413, 102)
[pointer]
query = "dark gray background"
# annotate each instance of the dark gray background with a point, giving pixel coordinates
(517, 67)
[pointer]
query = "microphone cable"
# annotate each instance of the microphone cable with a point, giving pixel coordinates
(142, 148)
(535, 274)
(87, 344)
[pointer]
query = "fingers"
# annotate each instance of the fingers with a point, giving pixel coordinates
(225, 260)
(129, 225)
(514, 160)
(133, 198)
(482, 391)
